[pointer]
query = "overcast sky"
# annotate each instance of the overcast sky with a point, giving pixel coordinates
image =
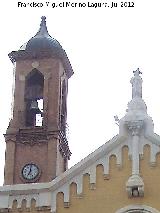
(104, 46)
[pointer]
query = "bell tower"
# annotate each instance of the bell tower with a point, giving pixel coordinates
(36, 145)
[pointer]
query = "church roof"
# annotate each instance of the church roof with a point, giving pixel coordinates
(42, 45)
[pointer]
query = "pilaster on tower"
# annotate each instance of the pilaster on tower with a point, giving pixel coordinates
(36, 145)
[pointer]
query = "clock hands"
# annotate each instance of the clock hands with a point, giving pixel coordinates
(30, 171)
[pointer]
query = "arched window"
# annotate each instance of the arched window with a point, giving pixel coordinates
(34, 85)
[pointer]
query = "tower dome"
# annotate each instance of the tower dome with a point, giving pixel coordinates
(42, 41)
(42, 45)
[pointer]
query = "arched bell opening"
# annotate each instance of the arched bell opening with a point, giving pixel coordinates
(34, 99)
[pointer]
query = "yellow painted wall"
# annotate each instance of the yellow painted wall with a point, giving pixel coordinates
(110, 195)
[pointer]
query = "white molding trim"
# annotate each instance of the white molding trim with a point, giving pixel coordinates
(137, 208)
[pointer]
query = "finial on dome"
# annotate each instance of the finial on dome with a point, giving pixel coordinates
(136, 82)
(43, 28)
(43, 21)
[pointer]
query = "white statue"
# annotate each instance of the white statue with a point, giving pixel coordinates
(136, 82)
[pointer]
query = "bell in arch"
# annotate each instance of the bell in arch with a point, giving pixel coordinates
(34, 107)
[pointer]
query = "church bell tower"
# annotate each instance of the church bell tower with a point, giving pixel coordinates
(36, 145)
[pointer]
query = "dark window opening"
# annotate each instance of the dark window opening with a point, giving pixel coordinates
(34, 98)
(63, 108)
(65, 164)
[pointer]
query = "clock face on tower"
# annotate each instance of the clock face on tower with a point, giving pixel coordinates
(30, 172)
